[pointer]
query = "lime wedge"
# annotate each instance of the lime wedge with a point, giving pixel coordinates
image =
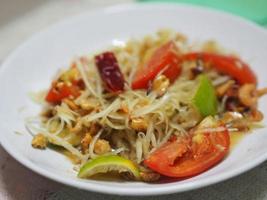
(205, 99)
(104, 164)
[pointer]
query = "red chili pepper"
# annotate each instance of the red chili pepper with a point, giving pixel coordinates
(110, 72)
(229, 65)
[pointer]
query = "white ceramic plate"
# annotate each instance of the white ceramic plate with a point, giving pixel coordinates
(33, 64)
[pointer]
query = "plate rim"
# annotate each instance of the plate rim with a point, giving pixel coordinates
(94, 187)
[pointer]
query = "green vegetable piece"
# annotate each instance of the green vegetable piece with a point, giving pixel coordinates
(205, 99)
(104, 164)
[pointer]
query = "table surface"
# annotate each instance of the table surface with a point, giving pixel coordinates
(21, 18)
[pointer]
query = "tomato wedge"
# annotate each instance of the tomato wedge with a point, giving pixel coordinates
(165, 58)
(191, 156)
(56, 94)
(230, 65)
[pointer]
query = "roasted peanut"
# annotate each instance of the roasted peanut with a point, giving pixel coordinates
(71, 104)
(39, 141)
(102, 146)
(85, 142)
(160, 85)
(86, 104)
(124, 107)
(138, 124)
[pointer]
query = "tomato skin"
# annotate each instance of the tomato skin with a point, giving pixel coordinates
(165, 56)
(227, 65)
(189, 157)
(55, 95)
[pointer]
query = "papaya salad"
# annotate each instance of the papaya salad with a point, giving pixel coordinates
(149, 108)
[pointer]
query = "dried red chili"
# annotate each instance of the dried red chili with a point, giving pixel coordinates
(110, 72)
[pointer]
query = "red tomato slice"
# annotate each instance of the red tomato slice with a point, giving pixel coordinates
(55, 95)
(188, 157)
(164, 57)
(232, 66)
